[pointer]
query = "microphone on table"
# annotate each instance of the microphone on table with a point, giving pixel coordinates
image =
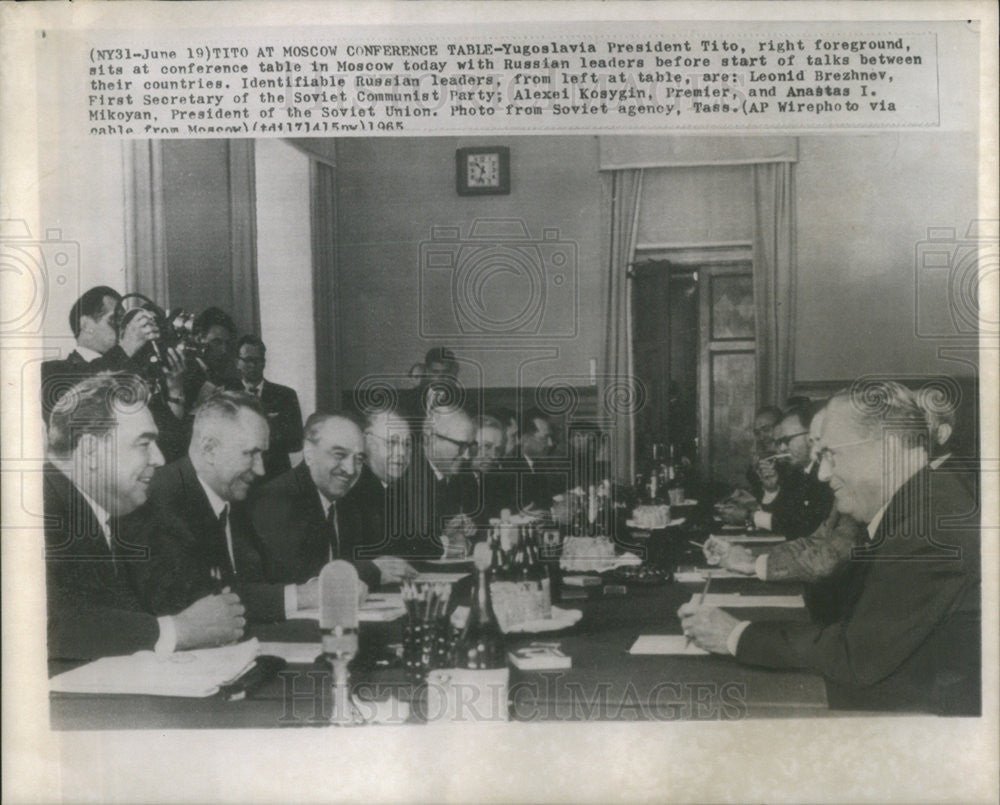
(338, 623)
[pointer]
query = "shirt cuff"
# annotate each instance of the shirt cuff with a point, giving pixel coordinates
(760, 567)
(733, 641)
(167, 642)
(762, 520)
(291, 600)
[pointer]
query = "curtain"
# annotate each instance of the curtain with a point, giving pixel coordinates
(145, 247)
(243, 235)
(774, 279)
(621, 398)
(322, 203)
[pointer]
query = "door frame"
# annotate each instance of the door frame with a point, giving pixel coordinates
(696, 257)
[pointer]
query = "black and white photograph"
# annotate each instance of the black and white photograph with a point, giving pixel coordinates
(439, 412)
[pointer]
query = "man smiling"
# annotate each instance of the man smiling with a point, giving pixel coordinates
(205, 492)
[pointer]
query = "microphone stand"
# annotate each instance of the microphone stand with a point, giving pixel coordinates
(340, 646)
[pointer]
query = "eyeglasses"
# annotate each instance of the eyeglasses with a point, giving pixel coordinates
(471, 448)
(784, 441)
(827, 453)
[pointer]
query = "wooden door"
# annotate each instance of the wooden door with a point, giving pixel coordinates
(727, 369)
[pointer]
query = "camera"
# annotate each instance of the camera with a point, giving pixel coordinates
(498, 282)
(176, 331)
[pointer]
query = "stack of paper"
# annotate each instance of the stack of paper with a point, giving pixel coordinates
(196, 673)
(750, 539)
(699, 574)
(383, 607)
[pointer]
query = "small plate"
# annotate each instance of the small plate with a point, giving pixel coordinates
(561, 619)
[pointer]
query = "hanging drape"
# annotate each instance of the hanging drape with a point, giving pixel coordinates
(774, 279)
(322, 203)
(621, 397)
(145, 248)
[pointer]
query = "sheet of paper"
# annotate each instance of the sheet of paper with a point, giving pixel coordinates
(748, 539)
(431, 577)
(296, 653)
(698, 574)
(737, 600)
(665, 644)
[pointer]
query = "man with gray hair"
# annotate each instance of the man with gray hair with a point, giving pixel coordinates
(102, 452)
(205, 492)
(907, 637)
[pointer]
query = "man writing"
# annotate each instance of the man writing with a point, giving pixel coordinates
(102, 448)
(907, 637)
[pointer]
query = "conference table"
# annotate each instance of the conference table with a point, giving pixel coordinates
(605, 682)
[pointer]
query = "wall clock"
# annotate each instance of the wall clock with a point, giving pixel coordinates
(482, 171)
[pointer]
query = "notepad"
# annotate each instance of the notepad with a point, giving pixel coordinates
(295, 653)
(192, 674)
(747, 539)
(382, 607)
(665, 644)
(737, 600)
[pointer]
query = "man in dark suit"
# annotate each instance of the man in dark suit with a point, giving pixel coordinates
(497, 484)
(306, 517)
(280, 404)
(908, 635)
(437, 495)
(538, 481)
(102, 445)
(206, 492)
(102, 346)
(794, 502)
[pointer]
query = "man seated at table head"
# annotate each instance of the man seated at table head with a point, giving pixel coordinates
(206, 491)
(908, 633)
(102, 451)
(280, 403)
(303, 517)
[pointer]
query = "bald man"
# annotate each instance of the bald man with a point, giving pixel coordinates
(303, 517)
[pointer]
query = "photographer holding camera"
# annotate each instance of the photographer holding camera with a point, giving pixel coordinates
(110, 340)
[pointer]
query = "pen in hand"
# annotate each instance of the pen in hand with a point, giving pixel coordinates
(701, 601)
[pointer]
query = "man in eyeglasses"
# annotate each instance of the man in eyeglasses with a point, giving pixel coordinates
(908, 635)
(439, 491)
(794, 502)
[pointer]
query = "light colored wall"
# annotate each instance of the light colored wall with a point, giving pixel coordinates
(392, 192)
(864, 203)
(284, 267)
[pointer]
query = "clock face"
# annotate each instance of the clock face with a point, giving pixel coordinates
(483, 170)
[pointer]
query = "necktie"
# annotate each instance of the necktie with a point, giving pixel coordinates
(226, 568)
(334, 531)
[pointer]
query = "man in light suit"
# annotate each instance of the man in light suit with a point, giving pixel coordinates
(102, 449)
(280, 404)
(907, 636)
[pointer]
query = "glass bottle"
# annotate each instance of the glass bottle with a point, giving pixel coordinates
(481, 644)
